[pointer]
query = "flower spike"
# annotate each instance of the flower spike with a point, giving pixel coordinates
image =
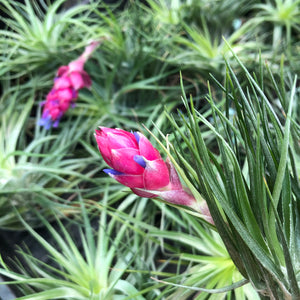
(139, 166)
(69, 79)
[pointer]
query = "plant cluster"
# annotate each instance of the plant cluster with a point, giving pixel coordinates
(194, 105)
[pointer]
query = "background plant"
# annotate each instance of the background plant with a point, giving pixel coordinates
(99, 270)
(38, 34)
(41, 173)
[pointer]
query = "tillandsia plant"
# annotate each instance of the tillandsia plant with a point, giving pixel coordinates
(204, 264)
(37, 34)
(249, 179)
(82, 261)
(38, 171)
(69, 79)
(139, 166)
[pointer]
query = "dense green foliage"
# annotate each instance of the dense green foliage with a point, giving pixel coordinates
(234, 140)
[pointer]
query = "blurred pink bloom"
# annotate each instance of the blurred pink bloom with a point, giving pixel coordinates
(138, 165)
(69, 79)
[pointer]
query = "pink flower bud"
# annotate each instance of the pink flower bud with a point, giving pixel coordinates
(62, 83)
(135, 162)
(156, 174)
(69, 80)
(62, 71)
(65, 95)
(80, 80)
(54, 113)
(138, 165)
(174, 192)
(64, 106)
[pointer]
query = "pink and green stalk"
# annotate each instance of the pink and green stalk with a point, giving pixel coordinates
(138, 165)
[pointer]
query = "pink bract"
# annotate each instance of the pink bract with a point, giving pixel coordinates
(69, 79)
(138, 165)
(135, 162)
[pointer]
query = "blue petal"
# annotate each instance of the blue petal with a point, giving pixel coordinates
(137, 136)
(55, 124)
(140, 160)
(112, 172)
(46, 122)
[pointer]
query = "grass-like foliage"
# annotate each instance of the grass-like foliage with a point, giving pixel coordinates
(283, 17)
(204, 267)
(37, 33)
(90, 265)
(234, 143)
(40, 174)
(250, 178)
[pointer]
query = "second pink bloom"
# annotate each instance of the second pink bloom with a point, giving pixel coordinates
(69, 79)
